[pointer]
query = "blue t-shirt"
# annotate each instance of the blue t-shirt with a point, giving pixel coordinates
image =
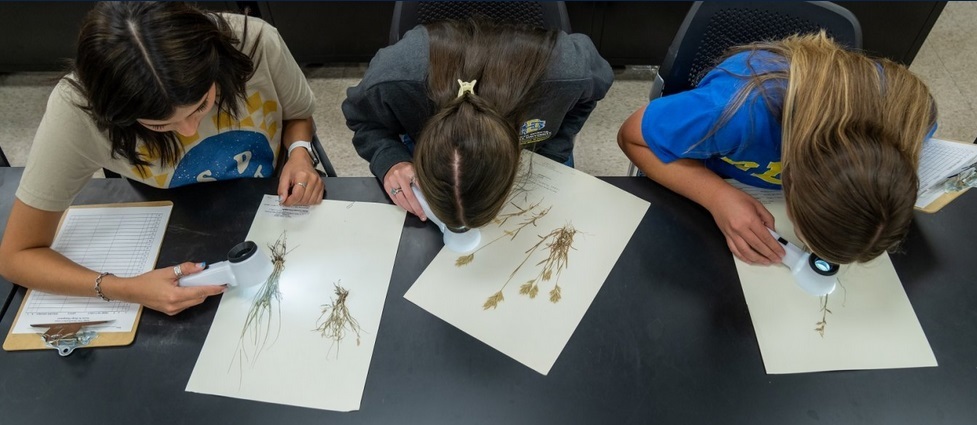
(747, 146)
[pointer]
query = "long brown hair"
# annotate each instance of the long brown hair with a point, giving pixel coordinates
(467, 154)
(145, 59)
(853, 128)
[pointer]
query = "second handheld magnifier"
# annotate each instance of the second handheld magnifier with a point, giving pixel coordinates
(455, 241)
(246, 265)
(813, 274)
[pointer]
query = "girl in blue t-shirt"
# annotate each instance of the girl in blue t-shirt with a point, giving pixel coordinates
(840, 133)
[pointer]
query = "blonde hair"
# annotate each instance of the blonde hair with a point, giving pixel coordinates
(852, 130)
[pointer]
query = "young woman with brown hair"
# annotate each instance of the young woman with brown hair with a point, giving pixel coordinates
(840, 132)
(166, 95)
(472, 95)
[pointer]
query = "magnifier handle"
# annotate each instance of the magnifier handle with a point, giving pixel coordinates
(427, 208)
(216, 274)
(793, 255)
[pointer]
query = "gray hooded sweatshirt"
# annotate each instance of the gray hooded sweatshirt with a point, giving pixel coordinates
(392, 100)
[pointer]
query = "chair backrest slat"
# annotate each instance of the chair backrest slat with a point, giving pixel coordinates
(710, 28)
(542, 14)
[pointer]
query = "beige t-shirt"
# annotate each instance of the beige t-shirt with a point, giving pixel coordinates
(68, 147)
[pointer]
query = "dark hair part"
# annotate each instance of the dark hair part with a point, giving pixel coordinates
(467, 154)
(145, 59)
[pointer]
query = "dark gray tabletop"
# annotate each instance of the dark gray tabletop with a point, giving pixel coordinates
(667, 340)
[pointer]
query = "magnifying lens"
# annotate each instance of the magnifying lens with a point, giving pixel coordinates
(246, 265)
(813, 274)
(455, 241)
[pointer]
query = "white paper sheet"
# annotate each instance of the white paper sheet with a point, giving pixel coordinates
(121, 240)
(534, 330)
(353, 244)
(871, 324)
(941, 159)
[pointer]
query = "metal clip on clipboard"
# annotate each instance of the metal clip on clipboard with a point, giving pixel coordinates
(966, 178)
(66, 337)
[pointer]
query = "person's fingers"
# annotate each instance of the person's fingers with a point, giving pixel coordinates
(184, 269)
(284, 183)
(770, 243)
(202, 292)
(765, 215)
(760, 245)
(177, 299)
(414, 204)
(746, 251)
(768, 221)
(308, 193)
(195, 295)
(320, 190)
(401, 200)
(397, 193)
(735, 250)
(299, 193)
(397, 184)
(411, 204)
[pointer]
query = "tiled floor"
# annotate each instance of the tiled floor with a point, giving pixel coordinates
(946, 62)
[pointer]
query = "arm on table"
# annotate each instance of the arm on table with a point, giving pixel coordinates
(26, 258)
(742, 219)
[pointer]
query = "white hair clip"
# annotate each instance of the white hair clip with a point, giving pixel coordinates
(466, 87)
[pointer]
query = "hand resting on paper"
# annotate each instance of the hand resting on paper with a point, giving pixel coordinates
(744, 222)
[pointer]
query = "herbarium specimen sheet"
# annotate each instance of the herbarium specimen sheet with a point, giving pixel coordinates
(866, 323)
(305, 335)
(540, 264)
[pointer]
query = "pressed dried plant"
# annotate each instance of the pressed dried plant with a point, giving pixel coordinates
(824, 316)
(511, 234)
(493, 301)
(336, 321)
(820, 325)
(559, 242)
(266, 303)
(519, 211)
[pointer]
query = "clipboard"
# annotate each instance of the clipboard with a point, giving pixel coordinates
(34, 341)
(942, 201)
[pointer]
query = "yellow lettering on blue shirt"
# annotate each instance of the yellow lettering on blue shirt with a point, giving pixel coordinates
(772, 175)
(742, 165)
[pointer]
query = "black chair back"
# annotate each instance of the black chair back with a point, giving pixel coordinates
(710, 28)
(3, 159)
(542, 14)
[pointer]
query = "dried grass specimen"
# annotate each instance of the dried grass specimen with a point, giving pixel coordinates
(257, 324)
(512, 233)
(820, 325)
(824, 316)
(558, 243)
(338, 321)
(258, 321)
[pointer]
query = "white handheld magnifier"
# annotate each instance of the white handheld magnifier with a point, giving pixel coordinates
(813, 274)
(456, 241)
(246, 265)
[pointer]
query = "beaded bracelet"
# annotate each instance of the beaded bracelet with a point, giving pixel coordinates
(98, 285)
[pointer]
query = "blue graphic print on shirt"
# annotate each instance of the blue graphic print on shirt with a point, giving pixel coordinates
(226, 156)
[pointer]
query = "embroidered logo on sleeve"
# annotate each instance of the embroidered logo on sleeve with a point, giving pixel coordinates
(532, 131)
